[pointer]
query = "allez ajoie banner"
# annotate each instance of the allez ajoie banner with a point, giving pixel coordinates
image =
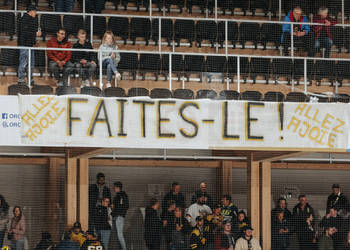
(141, 122)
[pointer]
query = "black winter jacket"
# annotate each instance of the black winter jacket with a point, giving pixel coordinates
(121, 204)
(27, 28)
(78, 55)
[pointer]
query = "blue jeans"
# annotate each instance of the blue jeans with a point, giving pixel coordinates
(64, 5)
(111, 68)
(105, 235)
(17, 244)
(23, 63)
(2, 235)
(327, 42)
(119, 224)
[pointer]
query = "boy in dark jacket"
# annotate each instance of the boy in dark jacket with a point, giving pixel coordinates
(120, 207)
(101, 224)
(153, 226)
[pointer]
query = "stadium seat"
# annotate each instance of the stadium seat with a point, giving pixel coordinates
(94, 91)
(203, 5)
(49, 24)
(223, 5)
(232, 67)
(206, 30)
(249, 32)
(232, 36)
(99, 25)
(347, 38)
(119, 26)
(229, 95)
(138, 3)
(184, 29)
(321, 97)
(140, 27)
(183, 94)
(193, 64)
(161, 93)
(206, 94)
(158, 3)
(65, 90)
(271, 32)
(259, 4)
(343, 71)
(8, 58)
(40, 60)
(128, 63)
(260, 66)
(274, 7)
(325, 69)
(338, 37)
(241, 4)
(177, 65)
(344, 98)
(296, 97)
(138, 92)
(335, 7)
(8, 23)
(298, 70)
(179, 3)
(73, 24)
(282, 67)
(16, 89)
(251, 96)
(116, 4)
(273, 96)
(42, 90)
(167, 30)
(114, 92)
(150, 63)
(216, 64)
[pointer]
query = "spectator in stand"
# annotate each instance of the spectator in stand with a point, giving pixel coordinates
(322, 33)
(228, 210)
(333, 220)
(175, 195)
(203, 191)
(197, 237)
(346, 242)
(216, 218)
(225, 240)
(59, 60)
(242, 222)
(101, 224)
(45, 243)
(110, 57)
(27, 33)
(97, 192)
(247, 241)
(326, 242)
(282, 205)
(337, 200)
(85, 62)
(77, 234)
(153, 226)
(168, 219)
(301, 32)
(67, 243)
(91, 241)
(4, 218)
(280, 232)
(17, 229)
(120, 208)
(95, 6)
(306, 233)
(198, 209)
(64, 5)
(181, 228)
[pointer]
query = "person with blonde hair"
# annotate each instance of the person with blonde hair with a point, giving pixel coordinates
(109, 56)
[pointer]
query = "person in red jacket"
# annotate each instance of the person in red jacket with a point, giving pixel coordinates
(322, 33)
(59, 60)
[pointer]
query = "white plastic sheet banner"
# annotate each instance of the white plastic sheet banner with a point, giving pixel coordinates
(141, 122)
(10, 121)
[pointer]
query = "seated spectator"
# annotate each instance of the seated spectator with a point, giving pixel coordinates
(95, 6)
(281, 205)
(17, 229)
(77, 234)
(333, 220)
(306, 233)
(228, 210)
(67, 243)
(280, 232)
(168, 218)
(45, 242)
(59, 60)
(91, 240)
(203, 191)
(242, 222)
(301, 32)
(225, 240)
(198, 209)
(64, 5)
(110, 58)
(85, 62)
(346, 242)
(322, 33)
(175, 195)
(337, 200)
(101, 224)
(4, 218)
(197, 237)
(247, 241)
(325, 242)
(153, 226)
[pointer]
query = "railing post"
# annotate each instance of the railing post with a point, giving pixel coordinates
(160, 34)
(305, 76)
(92, 29)
(342, 12)
(170, 71)
(84, 8)
(29, 66)
(292, 40)
(100, 64)
(279, 10)
(238, 75)
(150, 7)
(216, 9)
(226, 38)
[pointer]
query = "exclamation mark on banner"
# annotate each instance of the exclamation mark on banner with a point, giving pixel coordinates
(280, 116)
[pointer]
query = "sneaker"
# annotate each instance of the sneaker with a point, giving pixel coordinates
(60, 84)
(118, 76)
(108, 85)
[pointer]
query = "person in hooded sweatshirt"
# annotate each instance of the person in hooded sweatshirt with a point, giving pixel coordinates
(153, 226)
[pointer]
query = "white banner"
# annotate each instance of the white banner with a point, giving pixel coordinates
(10, 121)
(87, 121)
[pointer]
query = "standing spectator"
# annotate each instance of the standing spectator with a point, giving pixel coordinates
(85, 62)
(91, 241)
(300, 31)
(242, 222)
(281, 205)
(336, 222)
(120, 208)
(153, 226)
(346, 243)
(77, 234)
(217, 219)
(337, 200)
(27, 33)
(247, 241)
(198, 209)
(228, 210)
(67, 243)
(96, 193)
(17, 229)
(175, 195)
(322, 33)
(180, 229)
(4, 218)
(101, 224)
(95, 6)
(168, 218)
(326, 242)
(64, 5)
(225, 239)
(59, 60)
(280, 232)
(306, 233)
(203, 191)
(197, 237)
(45, 243)
(110, 58)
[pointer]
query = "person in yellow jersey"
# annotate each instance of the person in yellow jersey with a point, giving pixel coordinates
(198, 240)
(91, 241)
(77, 234)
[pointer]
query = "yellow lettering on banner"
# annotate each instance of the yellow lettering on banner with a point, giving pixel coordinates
(44, 123)
(331, 139)
(314, 129)
(301, 108)
(56, 109)
(306, 131)
(326, 121)
(336, 128)
(30, 134)
(294, 122)
(37, 129)
(320, 141)
(26, 118)
(314, 118)
(307, 113)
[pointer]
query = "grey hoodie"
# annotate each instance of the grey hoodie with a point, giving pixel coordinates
(107, 54)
